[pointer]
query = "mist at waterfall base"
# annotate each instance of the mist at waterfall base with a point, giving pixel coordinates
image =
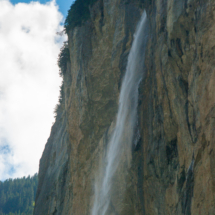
(121, 140)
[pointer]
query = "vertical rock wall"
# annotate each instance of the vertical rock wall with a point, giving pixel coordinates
(177, 109)
(173, 163)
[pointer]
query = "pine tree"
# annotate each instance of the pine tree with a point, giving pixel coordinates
(17, 196)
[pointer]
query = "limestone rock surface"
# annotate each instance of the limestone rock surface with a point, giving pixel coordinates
(173, 164)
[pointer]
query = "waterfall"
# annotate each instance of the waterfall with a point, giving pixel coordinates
(121, 140)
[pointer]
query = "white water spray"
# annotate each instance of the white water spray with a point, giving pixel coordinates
(121, 139)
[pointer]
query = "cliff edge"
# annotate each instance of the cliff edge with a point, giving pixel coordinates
(172, 170)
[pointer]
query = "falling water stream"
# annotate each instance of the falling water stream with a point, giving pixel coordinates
(121, 140)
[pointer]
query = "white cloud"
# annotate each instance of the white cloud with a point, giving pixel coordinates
(29, 83)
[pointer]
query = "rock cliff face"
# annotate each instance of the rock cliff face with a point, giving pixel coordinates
(173, 164)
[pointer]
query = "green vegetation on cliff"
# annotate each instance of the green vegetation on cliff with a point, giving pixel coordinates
(78, 13)
(63, 58)
(17, 196)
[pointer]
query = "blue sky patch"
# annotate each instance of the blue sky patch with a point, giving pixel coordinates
(4, 147)
(64, 6)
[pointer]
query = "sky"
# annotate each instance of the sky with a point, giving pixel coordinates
(64, 5)
(29, 81)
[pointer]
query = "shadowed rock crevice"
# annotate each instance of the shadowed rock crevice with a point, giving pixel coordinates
(171, 151)
(187, 194)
